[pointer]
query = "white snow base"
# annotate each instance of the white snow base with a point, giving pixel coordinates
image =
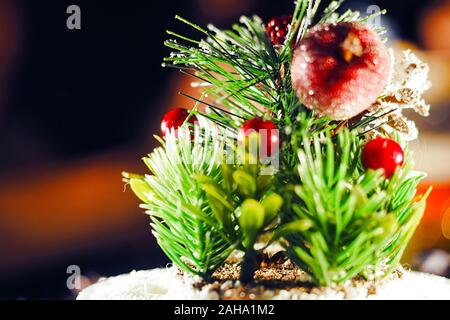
(165, 284)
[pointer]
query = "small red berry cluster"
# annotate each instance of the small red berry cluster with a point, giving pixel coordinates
(278, 28)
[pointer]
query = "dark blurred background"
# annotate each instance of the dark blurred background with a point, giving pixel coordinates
(79, 106)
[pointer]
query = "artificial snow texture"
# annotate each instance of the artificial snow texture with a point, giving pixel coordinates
(167, 284)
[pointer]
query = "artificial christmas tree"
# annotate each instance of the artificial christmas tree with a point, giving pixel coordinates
(321, 193)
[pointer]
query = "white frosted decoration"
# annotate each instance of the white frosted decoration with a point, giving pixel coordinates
(407, 83)
(167, 284)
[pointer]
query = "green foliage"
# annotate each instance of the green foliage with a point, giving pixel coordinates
(244, 75)
(183, 221)
(335, 219)
(331, 16)
(345, 220)
(243, 201)
(251, 220)
(246, 205)
(240, 67)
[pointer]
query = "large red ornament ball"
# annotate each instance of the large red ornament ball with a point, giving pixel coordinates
(267, 130)
(174, 119)
(277, 29)
(381, 153)
(340, 69)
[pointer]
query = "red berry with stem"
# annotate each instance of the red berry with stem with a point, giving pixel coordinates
(340, 69)
(278, 28)
(174, 119)
(381, 153)
(267, 130)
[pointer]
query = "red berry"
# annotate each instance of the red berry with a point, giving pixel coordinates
(277, 29)
(339, 70)
(175, 119)
(381, 153)
(267, 129)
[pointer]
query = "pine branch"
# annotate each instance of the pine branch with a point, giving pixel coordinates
(182, 217)
(355, 219)
(245, 73)
(239, 64)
